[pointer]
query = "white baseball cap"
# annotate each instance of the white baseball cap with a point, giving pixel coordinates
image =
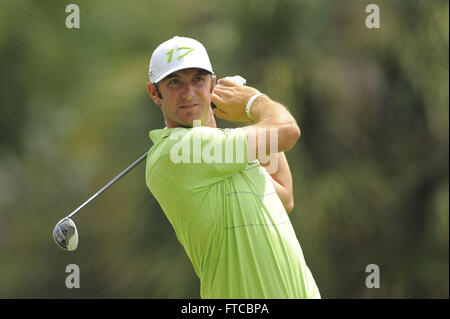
(177, 54)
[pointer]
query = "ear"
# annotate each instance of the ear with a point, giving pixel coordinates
(153, 94)
(213, 82)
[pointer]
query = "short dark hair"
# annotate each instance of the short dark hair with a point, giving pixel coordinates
(157, 90)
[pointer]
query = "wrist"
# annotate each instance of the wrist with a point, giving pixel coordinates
(250, 104)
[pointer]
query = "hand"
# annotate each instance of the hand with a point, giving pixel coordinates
(231, 100)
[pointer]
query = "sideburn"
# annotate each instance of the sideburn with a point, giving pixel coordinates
(158, 91)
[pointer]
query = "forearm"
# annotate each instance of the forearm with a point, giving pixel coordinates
(267, 117)
(267, 114)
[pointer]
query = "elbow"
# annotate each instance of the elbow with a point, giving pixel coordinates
(289, 206)
(291, 135)
(289, 203)
(296, 133)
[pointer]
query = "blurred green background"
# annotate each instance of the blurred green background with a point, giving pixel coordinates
(370, 170)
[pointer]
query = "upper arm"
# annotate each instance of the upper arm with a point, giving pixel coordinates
(281, 178)
(274, 129)
(270, 139)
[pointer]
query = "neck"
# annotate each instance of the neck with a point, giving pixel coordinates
(210, 121)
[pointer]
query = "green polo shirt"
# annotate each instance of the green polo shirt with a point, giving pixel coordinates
(227, 215)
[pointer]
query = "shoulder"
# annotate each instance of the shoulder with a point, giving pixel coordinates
(205, 133)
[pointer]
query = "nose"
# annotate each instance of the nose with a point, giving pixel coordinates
(187, 91)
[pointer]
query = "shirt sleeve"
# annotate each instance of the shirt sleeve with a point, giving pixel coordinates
(206, 155)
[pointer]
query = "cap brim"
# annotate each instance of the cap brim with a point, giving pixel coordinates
(181, 67)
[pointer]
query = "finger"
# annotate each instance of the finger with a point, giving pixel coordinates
(224, 92)
(220, 89)
(221, 114)
(216, 99)
(227, 82)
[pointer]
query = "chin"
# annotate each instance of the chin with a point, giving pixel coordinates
(187, 123)
(187, 119)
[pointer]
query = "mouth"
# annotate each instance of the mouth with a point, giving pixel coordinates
(188, 106)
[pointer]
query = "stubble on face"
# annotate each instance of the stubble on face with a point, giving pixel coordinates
(187, 97)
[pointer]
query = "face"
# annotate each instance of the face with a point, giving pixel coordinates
(186, 96)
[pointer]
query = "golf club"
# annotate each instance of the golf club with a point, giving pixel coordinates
(65, 232)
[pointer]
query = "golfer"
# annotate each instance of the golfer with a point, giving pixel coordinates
(228, 211)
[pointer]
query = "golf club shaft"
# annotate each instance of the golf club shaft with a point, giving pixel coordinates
(109, 184)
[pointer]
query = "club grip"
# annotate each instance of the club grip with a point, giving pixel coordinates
(236, 79)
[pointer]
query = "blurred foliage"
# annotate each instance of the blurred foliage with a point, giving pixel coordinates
(370, 170)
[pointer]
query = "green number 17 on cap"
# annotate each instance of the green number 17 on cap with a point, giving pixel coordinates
(170, 53)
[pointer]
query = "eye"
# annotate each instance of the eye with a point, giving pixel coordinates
(174, 81)
(199, 78)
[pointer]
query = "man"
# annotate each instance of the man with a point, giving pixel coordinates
(228, 212)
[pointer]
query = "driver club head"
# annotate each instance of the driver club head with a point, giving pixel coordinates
(65, 234)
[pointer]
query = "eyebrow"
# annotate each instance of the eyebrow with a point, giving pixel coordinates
(199, 72)
(170, 76)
